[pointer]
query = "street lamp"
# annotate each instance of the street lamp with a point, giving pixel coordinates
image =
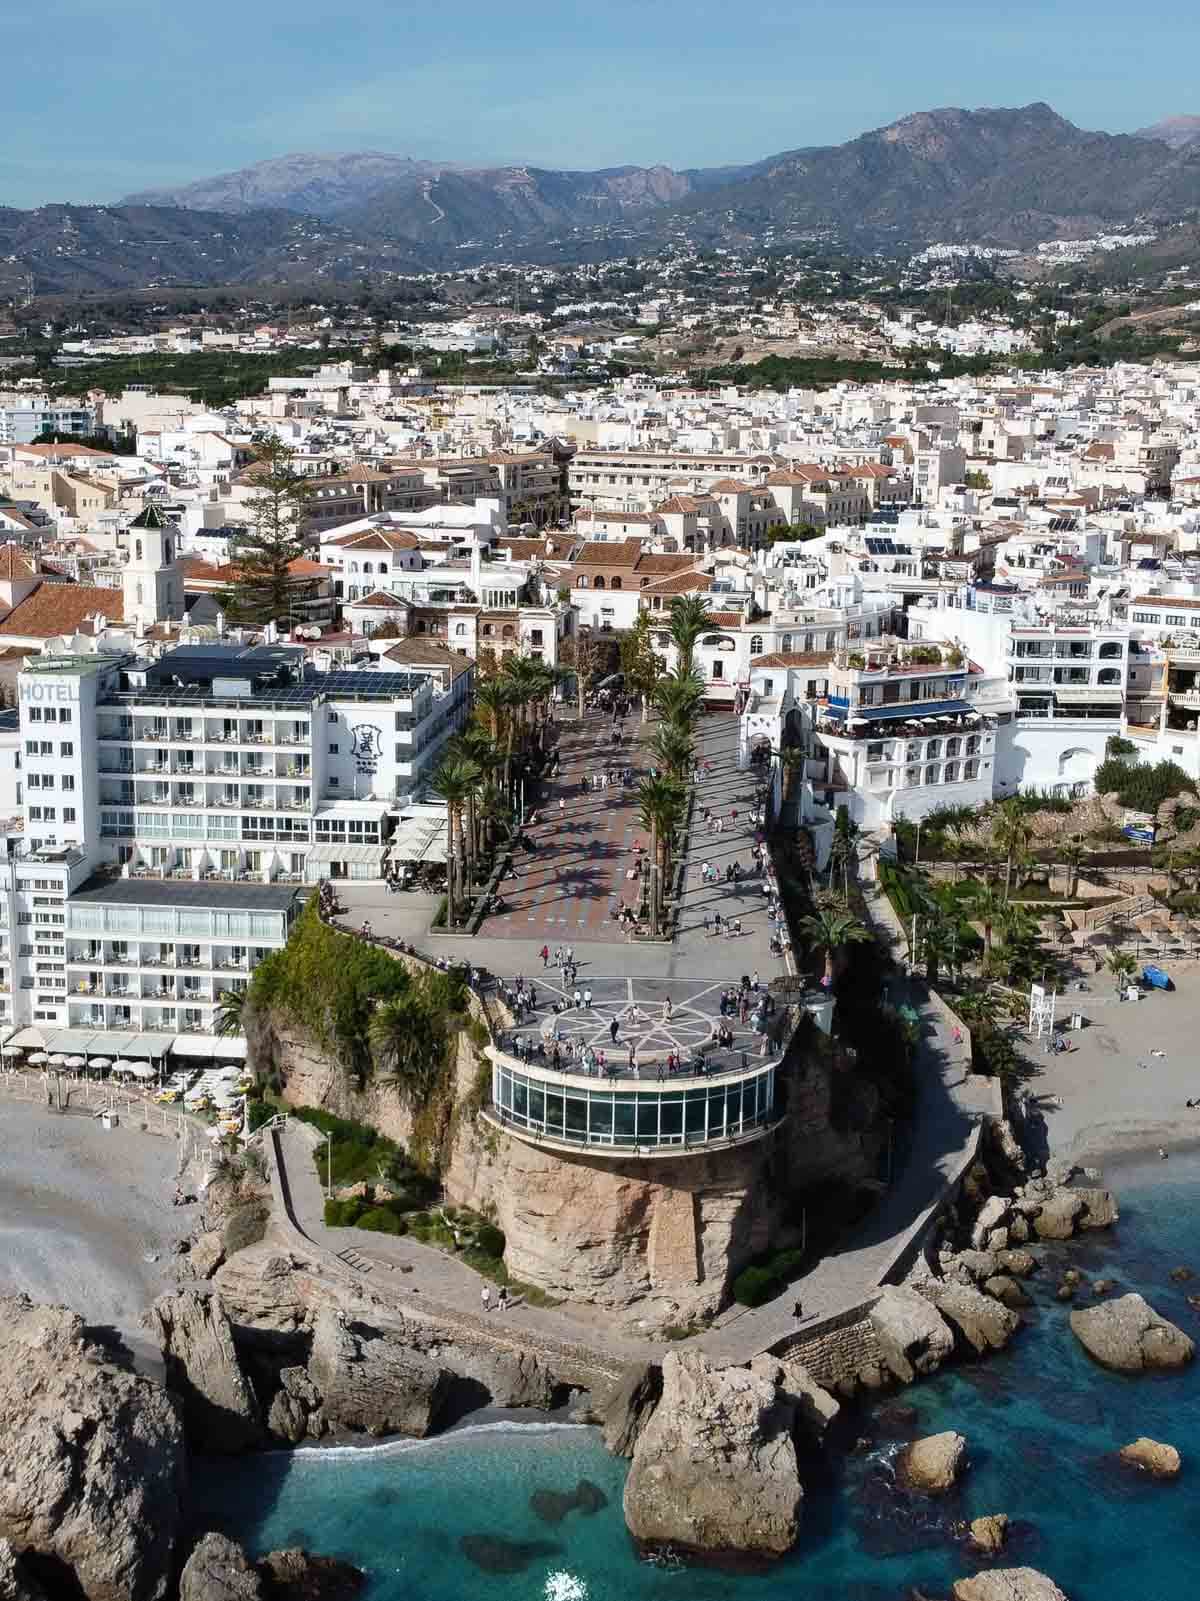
(329, 1165)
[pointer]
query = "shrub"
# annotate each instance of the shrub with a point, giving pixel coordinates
(343, 1214)
(490, 1240)
(382, 1220)
(1142, 789)
(754, 1286)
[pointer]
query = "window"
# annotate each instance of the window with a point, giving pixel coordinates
(718, 669)
(756, 644)
(66, 748)
(35, 714)
(581, 583)
(333, 750)
(64, 714)
(335, 783)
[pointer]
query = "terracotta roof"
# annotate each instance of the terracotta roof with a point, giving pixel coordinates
(1100, 451)
(680, 584)
(679, 503)
(1175, 602)
(14, 564)
(63, 609)
(729, 486)
(376, 539)
(609, 553)
(798, 475)
(727, 619)
(599, 514)
(66, 450)
(793, 658)
(648, 562)
(378, 597)
(428, 653)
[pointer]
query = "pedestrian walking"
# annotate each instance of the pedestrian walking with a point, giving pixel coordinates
(485, 1298)
(754, 980)
(798, 1311)
(578, 998)
(502, 1299)
(587, 998)
(667, 1009)
(544, 953)
(614, 1028)
(707, 922)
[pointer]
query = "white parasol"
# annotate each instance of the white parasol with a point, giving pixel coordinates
(39, 1056)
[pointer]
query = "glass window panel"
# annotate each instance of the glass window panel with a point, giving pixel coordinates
(601, 1116)
(694, 1102)
(716, 1112)
(733, 1106)
(671, 1116)
(647, 1119)
(576, 1116)
(520, 1101)
(537, 1105)
(554, 1113)
(623, 1119)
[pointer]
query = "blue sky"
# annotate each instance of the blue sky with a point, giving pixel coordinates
(105, 97)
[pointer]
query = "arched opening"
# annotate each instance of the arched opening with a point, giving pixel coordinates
(139, 550)
(1109, 675)
(615, 584)
(599, 584)
(1109, 649)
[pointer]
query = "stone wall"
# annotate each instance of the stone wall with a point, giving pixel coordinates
(839, 1350)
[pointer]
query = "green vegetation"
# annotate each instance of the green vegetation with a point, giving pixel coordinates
(1142, 789)
(361, 1155)
(266, 588)
(213, 378)
(766, 1278)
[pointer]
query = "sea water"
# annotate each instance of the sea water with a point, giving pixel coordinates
(456, 1517)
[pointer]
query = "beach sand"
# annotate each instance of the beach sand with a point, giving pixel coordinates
(86, 1215)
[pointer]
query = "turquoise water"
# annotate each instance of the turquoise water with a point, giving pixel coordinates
(1042, 1424)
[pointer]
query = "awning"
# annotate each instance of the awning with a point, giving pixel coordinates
(419, 839)
(907, 711)
(91, 1042)
(1086, 695)
(360, 855)
(232, 1049)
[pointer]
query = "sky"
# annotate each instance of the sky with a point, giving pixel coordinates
(107, 97)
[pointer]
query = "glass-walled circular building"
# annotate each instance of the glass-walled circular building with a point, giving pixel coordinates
(631, 1116)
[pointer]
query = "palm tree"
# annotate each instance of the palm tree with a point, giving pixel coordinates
(672, 750)
(830, 928)
(986, 907)
(1122, 967)
(939, 943)
(409, 1041)
(459, 754)
(689, 619)
(677, 698)
(1072, 854)
(1012, 833)
(453, 784)
(231, 1006)
(492, 703)
(660, 802)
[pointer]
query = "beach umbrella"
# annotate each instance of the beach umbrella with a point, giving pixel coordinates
(122, 1066)
(100, 1061)
(58, 1060)
(143, 1070)
(39, 1056)
(12, 1050)
(76, 1061)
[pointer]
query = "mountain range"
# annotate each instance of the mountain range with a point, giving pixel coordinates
(1006, 177)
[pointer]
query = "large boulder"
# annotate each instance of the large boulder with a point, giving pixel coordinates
(370, 1383)
(1153, 1457)
(993, 1214)
(1008, 1584)
(1127, 1334)
(220, 1412)
(932, 1465)
(1058, 1215)
(295, 1410)
(913, 1337)
(219, 1570)
(1099, 1209)
(815, 1407)
(989, 1533)
(714, 1470)
(630, 1405)
(296, 1575)
(92, 1462)
(980, 1321)
(1020, 1264)
(16, 1582)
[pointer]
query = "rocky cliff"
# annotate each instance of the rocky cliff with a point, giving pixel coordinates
(650, 1242)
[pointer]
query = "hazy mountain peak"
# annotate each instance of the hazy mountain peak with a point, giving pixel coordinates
(1173, 131)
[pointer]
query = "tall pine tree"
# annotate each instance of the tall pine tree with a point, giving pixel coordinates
(266, 589)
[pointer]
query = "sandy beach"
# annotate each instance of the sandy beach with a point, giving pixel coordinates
(85, 1214)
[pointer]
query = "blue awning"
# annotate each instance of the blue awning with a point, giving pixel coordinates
(907, 711)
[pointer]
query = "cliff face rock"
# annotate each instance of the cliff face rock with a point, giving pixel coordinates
(1057, 1215)
(715, 1470)
(219, 1570)
(16, 1583)
(631, 1405)
(988, 1534)
(1008, 1584)
(932, 1465)
(296, 1575)
(370, 1383)
(815, 1407)
(220, 1412)
(91, 1457)
(1127, 1334)
(913, 1336)
(1100, 1209)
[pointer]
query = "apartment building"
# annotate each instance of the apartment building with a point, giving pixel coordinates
(21, 423)
(637, 480)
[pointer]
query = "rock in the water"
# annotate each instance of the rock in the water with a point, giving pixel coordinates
(989, 1534)
(932, 1464)
(295, 1407)
(971, 1267)
(1127, 1334)
(494, 1554)
(219, 1570)
(1162, 1461)
(297, 1575)
(91, 1457)
(629, 1407)
(981, 1322)
(815, 1407)
(1019, 1263)
(1007, 1290)
(1058, 1214)
(552, 1506)
(1180, 1275)
(913, 1337)
(1103, 1286)
(16, 1582)
(371, 1383)
(1008, 1584)
(1018, 1229)
(220, 1413)
(1099, 1209)
(714, 1470)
